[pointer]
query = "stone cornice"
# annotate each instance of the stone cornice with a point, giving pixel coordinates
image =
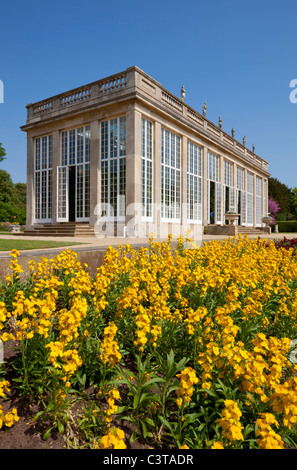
(134, 84)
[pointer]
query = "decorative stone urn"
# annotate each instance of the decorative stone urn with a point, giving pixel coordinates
(267, 220)
(231, 217)
(14, 228)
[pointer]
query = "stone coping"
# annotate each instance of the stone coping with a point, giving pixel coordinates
(98, 244)
(91, 252)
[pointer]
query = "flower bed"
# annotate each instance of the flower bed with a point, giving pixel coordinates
(192, 347)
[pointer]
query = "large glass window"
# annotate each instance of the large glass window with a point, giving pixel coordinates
(74, 190)
(75, 146)
(212, 167)
(170, 176)
(194, 184)
(229, 190)
(214, 190)
(265, 208)
(43, 179)
(113, 167)
(241, 195)
(147, 169)
(258, 201)
(250, 199)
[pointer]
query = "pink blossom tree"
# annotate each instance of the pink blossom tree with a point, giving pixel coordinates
(273, 209)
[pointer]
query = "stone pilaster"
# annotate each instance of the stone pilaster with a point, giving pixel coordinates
(95, 180)
(205, 214)
(254, 201)
(221, 180)
(133, 173)
(56, 161)
(30, 183)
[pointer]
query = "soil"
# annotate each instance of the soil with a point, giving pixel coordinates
(27, 433)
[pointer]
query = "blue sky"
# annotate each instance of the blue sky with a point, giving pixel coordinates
(239, 57)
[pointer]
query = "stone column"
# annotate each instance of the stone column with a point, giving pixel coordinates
(234, 188)
(254, 201)
(56, 161)
(30, 183)
(133, 173)
(245, 189)
(204, 187)
(223, 195)
(95, 186)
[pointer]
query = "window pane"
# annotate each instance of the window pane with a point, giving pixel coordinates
(43, 178)
(170, 182)
(72, 147)
(80, 145)
(37, 154)
(113, 166)
(87, 143)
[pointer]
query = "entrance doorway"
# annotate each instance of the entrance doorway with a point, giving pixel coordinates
(71, 192)
(212, 192)
(239, 207)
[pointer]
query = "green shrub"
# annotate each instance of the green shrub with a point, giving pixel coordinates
(287, 226)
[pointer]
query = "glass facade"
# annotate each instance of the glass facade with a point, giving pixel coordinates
(194, 183)
(214, 190)
(74, 193)
(113, 168)
(250, 199)
(147, 169)
(230, 193)
(43, 179)
(170, 176)
(229, 187)
(258, 201)
(241, 195)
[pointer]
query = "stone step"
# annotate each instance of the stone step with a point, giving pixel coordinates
(64, 229)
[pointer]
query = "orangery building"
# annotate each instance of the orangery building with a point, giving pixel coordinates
(123, 156)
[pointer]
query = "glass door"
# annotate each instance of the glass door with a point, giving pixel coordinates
(62, 200)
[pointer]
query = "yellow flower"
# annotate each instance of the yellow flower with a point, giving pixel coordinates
(230, 421)
(185, 390)
(10, 418)
(217, 445)
(114, 439)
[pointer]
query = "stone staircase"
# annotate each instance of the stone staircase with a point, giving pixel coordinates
(251, 231)
(63, 229)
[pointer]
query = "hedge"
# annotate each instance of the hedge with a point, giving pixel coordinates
(287, 226)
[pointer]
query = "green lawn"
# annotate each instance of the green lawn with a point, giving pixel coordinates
(8, 244)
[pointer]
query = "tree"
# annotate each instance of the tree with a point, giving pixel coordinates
(281, 194)
(12, 199)
(273, 209)
(7, 192)
(2, 153)
(294, 200)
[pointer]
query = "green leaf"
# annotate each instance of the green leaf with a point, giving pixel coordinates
(133, 436)
(82, 379)
(135, 401)
(150, 421)
(190, 418)
(50, 406)
(46, 434)
(144, 429)
(209, 392)
(152, 381)
(60, 427)
(167, 424)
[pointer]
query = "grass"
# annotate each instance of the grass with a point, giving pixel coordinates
(8, 244)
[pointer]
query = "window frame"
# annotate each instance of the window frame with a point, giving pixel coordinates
(45, 169)
(166, 176)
